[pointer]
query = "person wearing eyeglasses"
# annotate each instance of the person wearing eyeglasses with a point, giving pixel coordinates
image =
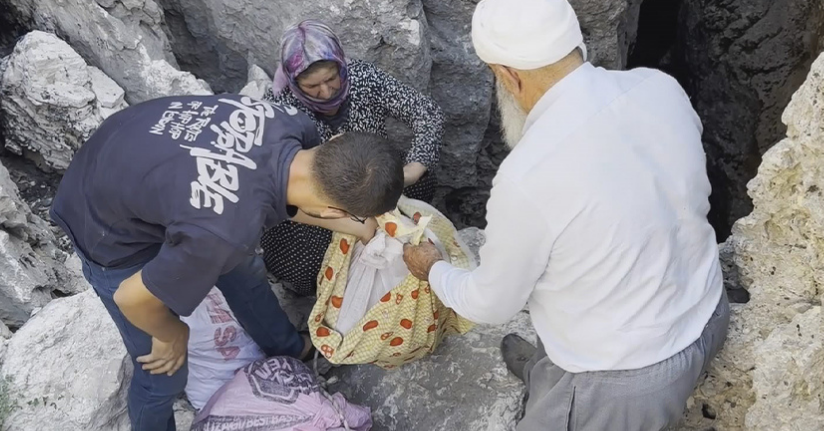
(343, 94)
(169, 198)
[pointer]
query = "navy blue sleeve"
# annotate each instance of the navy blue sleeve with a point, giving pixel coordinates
(188, 266)
(310, 138)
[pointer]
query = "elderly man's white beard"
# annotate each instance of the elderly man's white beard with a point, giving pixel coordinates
(513, 117)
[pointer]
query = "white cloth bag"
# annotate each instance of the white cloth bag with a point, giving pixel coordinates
(218, 347)
(374, 270)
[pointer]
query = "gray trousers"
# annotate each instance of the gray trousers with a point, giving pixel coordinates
(648, 399)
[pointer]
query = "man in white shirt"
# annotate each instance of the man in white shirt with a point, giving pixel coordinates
(597, 220)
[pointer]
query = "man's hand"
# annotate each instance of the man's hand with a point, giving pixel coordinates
(167, 356)
(420, 259)
(170, 336)
(412, 173)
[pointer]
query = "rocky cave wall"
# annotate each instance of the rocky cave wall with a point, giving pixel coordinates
(769, 375)
(740, 62)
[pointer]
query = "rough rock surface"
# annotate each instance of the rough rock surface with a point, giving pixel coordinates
(5, 336)
(124, 38)
(462, 85)
(52, 101)
(68, 370)
(184, 415)
(77, 283)
(25, 280)
(162, 80)
(769, 375)
(743, 61)
(474, 238)
(257, 83)
(31, 266)
(220, 39)
(463, 386)
(298, 308)
(5, 332)
(67, 367)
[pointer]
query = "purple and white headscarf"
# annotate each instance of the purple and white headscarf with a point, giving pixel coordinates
(302, 45)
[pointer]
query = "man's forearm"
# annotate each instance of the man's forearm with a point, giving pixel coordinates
(145, 311)
(412, 173)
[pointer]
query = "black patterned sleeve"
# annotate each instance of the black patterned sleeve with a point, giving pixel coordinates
(418, 111)
(282, 98)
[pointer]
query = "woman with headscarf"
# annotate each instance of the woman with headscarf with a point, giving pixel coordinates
(343, 95)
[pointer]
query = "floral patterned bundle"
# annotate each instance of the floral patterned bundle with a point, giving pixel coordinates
(410, 321)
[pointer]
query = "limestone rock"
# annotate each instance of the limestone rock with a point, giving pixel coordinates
(736, 293)
(17, 219)
(463, 386)
(31, 266)
(789, 384)
(219, 38)
(768, 377)
(124, 38)
(5, 332)
(743, 61)
(164, 80)
(77, 282)
(184, 415)
(69, 370)
(14, 213)
(25, 280)
(68, 367)
(258, 82)
(52, 101)
(474, 239)
(110, 97)
(5, 335)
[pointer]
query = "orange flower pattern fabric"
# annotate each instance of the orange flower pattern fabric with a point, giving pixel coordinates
(409, 322)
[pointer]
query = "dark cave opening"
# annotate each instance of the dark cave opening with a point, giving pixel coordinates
(659, 44)
(657, 36)
(201, 53)
(12, 28)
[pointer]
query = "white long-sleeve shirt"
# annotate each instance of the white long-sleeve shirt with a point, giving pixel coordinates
(598, 220)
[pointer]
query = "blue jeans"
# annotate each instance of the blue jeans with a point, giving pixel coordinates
(247, 292)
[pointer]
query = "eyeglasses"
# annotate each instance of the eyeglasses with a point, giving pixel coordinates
(352, 216)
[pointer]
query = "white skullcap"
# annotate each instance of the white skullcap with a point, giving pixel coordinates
(525, 34)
